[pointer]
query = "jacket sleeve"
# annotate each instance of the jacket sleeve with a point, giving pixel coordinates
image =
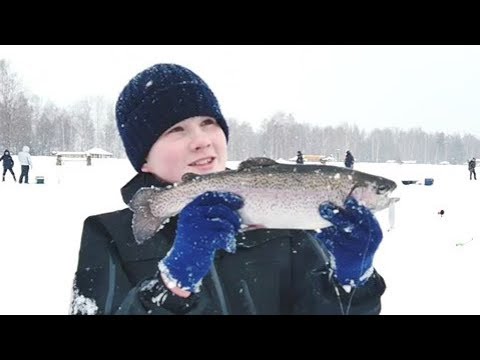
(101, 286)
(317, 291)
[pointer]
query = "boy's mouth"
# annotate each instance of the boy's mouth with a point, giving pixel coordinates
(202, 161)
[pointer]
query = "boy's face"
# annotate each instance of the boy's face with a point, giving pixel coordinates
(196, 145)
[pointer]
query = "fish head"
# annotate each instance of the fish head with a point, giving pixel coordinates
(373, 191)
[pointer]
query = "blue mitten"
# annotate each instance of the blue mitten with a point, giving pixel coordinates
(210, 222)
(352, 240)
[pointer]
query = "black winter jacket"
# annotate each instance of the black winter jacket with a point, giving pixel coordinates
(272, 272)
(7, 161)
(349, 160)
(471, 165)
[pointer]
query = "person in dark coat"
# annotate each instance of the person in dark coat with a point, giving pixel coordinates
(299, 157)
(471, 167)
(200, 262)
(7, 164)
(349, 160)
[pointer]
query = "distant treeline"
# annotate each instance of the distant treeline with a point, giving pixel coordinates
(281, 137)
(27, 120)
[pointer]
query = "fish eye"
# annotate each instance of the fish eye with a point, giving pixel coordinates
(382, 188)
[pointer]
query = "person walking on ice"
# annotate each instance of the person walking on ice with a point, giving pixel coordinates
(300, 159)
(349, 160)
(26, 162)
(7, 164)
(471, 167)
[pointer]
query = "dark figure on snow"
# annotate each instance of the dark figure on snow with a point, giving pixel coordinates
(471, 167)
(26, 162)
(349, 160)
(7, 164)
(299, 157)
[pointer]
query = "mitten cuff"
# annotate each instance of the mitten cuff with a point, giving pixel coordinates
(366, 275)
(348, 286)
(171, 280)
(154, 294)
(345, 274)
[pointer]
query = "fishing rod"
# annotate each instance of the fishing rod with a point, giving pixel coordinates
(466, 242)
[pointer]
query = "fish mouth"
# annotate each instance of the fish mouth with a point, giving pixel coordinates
(376, 197)
(384, 189)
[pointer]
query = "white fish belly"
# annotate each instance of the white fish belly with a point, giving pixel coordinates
(282, 210)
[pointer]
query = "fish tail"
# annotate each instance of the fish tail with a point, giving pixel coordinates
(144, 223)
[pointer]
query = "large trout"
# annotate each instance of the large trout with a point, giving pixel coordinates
(276, 195)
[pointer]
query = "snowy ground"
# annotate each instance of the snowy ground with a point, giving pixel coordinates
(427, 272)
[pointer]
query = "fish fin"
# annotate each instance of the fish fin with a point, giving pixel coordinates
(256, 162)
(144, 223)
(142, 197)
(189, 177)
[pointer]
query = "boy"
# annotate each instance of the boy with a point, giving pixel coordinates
(199, 263)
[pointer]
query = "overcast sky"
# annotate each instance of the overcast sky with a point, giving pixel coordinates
(433, 87)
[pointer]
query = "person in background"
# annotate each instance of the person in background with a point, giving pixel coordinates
(171, 124)
(349, 160)
(299, 157)
(471, 167)
(25, 161)
(7, 164)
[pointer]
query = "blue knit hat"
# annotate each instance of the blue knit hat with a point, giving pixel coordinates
(155, 100)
